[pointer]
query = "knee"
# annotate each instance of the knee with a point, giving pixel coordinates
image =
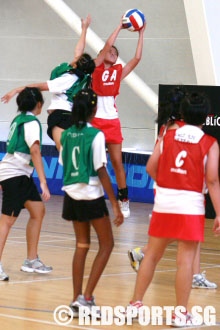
(42, 211)
(185, 263)
(39, 215)
(153, 256)
(83, 245)
(9, 221)
(107, 247)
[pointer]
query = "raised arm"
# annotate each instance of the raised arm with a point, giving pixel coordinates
(132, 63)
(109, 43)
(212, 180)
(7, 97)
(80, 46)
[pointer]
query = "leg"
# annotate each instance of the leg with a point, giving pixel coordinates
(37, 212)
(154, 251)
(116, 159)
(104, 232)
(56, 133)
(6, 222)
(185, 257)
(196, 263)
(82, 232)
(199, 279)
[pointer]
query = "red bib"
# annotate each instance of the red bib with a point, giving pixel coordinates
(106, 82)
(181, 164)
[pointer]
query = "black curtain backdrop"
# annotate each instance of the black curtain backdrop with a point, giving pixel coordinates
(212, 125)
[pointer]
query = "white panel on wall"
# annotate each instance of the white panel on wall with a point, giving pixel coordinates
(200, 41)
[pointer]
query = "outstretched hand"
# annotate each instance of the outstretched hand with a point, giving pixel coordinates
(86, 22)
(7, 97)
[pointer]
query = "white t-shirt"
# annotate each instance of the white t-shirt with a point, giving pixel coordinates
(17, 164)
(94, 188)
(106, 108)
(58, 87)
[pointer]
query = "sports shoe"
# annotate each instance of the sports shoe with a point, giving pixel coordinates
(177, 322)
(3, 275)
(35, 266)
(75, 310)
(124, 206)
(135, 256)
(200, 281)
(137, 304)
(81, 301)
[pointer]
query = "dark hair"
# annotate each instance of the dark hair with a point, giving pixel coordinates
(28, 99)
(116, 50)
(169, 108)
(85, 64)
(84, 103)
(195, 108)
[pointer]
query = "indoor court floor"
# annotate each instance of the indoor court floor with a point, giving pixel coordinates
(28, 300)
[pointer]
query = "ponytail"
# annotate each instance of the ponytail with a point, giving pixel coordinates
(84, 104)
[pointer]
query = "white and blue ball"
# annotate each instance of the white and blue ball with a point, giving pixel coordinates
(133, 20)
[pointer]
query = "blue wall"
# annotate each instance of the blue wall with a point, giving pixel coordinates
(140, 184)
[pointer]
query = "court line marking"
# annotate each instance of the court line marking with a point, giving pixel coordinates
(45, 322)
(86, 276)
(26, 309)
(116, 239)
(96, 241)
(95, 251)
(139, 243)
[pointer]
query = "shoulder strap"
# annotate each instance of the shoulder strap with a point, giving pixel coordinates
(59, 70)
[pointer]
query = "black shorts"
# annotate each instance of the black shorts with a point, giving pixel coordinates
(60, 118)
(84, 210)
(16, 191)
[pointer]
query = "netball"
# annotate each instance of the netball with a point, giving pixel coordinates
(133, 20)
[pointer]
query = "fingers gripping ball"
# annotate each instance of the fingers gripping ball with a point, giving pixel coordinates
(133, 20)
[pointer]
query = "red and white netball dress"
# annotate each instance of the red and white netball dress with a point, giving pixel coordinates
(179, 210)
(106, 84)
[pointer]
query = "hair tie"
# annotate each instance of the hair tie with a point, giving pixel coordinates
(32, 93)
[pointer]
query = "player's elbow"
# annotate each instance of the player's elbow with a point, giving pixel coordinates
(212, 181)
(35, 148)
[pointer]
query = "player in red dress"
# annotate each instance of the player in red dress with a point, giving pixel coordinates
(181, 163)
(106, 83)
(170, 118)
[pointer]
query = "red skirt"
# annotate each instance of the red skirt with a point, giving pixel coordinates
(178, 226)
(111, 129)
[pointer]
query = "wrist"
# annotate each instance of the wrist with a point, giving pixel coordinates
(43, 181)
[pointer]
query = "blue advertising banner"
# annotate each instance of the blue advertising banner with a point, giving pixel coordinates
(140, 184)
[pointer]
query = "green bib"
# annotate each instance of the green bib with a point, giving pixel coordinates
(16, 141)
(77, 154)
(77, 86)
